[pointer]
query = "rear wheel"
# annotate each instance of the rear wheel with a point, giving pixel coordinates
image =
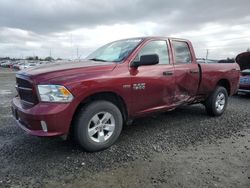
(98, 125)
(216, 103)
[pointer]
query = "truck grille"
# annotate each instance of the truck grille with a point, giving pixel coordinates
(25, 92)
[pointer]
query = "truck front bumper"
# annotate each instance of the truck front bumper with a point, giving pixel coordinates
(43, 119)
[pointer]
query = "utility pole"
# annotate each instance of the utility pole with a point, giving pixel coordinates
(50, 52)
(207, 54)
(71, 44)
(77, 53)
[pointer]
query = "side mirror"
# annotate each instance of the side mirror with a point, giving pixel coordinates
(151, 59)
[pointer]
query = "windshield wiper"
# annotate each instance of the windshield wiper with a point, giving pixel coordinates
(96, 59)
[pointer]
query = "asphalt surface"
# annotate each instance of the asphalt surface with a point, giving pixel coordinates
(181, 148)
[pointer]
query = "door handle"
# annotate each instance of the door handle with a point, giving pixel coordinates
(193, 71)
(167, 73)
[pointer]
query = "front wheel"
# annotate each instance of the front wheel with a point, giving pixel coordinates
(98, 125)
(216, 103)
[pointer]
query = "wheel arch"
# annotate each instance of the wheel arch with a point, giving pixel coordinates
(226, 84)
(110, 96)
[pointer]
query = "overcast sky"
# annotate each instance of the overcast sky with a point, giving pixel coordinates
(38, 27)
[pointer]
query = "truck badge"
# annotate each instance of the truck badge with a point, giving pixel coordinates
(139, 86)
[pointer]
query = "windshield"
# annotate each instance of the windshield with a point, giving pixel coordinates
(114, 51)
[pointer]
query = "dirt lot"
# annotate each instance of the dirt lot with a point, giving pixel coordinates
(181, 148)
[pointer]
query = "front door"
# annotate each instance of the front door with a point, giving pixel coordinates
(153, 87)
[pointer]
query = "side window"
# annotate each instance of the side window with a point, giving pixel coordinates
(155, 47)
(182, 52)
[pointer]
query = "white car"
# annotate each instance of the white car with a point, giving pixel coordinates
(28, 65)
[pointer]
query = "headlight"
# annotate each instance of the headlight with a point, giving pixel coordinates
(54, 93)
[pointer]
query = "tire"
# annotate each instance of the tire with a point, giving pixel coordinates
(98, 125)
(216, 103)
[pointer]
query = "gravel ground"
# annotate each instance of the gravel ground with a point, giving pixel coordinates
(181, 148)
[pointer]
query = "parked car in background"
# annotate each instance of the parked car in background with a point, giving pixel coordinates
(17, 65)
(243, 59)
(244, 86)
(202, 60)
(6, 64)
(22, 63)
(226, 61)
(27, 65)
(1, 63)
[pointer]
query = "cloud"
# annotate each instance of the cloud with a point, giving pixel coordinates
(29, 26)
(57, 15)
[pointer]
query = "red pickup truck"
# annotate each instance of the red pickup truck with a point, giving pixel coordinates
(122, 80)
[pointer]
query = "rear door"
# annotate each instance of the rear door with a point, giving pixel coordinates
(153, 87)
(187, 73)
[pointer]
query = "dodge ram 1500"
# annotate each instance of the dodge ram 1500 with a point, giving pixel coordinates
(120, 81)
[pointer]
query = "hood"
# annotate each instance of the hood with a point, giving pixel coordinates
(70, 67)
(65, 66)
(243, 60)
(64, 71)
